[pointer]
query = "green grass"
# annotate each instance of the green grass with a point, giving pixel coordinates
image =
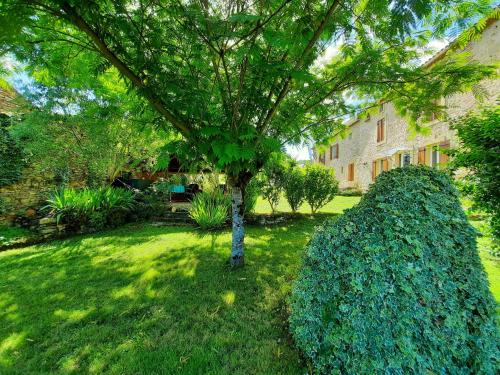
(157, 300)
(336, 206)
(7, 234)
(144, 300)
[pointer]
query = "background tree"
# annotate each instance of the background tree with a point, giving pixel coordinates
(479, 153)
(272, 180)
(94, 131)
(238, 79)
(294, 187)
(320, 186)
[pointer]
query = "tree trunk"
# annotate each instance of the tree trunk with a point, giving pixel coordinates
(237, 248)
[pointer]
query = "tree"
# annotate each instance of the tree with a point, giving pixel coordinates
(320, 186)
(479, 153)
(238, 79)
(294, 187)
(64, 130)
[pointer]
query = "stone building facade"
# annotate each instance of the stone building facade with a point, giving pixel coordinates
(384, 141)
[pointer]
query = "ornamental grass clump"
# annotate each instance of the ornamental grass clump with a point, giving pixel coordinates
(395, 285)
(210, 210)
(88, 207)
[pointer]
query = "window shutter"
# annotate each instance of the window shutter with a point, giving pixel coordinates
(443, 157)
(421, 156)
(386, 165)
(350, 172)
(374, 170)
(331, 152)
(399, 158)
(382, 130)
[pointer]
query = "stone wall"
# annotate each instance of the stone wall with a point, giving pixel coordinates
(28, 195)
(362, 149)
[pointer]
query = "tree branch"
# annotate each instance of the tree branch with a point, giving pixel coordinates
(299, 63)
(100, 44)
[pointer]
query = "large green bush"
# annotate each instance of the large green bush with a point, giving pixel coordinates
(320, 186)
(395, 285)
(479, 153)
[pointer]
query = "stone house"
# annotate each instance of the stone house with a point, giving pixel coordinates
(384, 141)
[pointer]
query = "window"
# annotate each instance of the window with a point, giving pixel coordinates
(421, 156)
(404, 160)
(435, 157)
(382, 107)
(334, 151)
(322, 158)
(380, 130)
(350, 172)
(384, 164)
(379, 166)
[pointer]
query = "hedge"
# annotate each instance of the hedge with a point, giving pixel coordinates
(395, 285)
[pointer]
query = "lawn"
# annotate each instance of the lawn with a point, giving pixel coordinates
(336, 206)
(9, 234)
(156, 300)
(144, 299)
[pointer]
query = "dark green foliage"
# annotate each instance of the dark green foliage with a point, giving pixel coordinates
(395, 285)
(320, 186)
(12, 160)
(294, 187)
(479, 135)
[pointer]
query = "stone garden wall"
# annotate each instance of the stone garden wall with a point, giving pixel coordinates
(25, 197)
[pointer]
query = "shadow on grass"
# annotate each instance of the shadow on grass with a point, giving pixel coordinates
(155, 300)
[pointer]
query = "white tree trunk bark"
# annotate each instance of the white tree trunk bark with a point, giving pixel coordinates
(237, 247)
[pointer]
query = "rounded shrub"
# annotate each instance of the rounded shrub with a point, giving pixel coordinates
(395, 285)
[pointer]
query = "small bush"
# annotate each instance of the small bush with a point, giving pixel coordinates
(351, 192)
(210, 210)
(395, 285)
(320, 186)
(272, 179)
(294, 187)
(90, 207)
(252, 192)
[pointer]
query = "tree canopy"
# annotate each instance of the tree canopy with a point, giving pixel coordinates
(239, 79)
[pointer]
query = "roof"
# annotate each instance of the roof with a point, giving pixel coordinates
(457, 43)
